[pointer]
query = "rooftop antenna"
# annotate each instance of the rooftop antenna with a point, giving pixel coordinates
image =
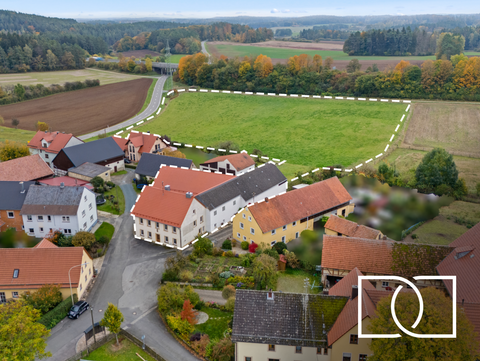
(169, 82)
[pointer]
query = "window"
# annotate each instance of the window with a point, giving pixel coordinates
(149, 234)
(81, 268)
(271, 244)
(354, 339)
(194, 211)
(284, 228)
(89, 271)
(234, 202)
(41, 229)
(165, 227)
(10, 214)
(174, 241)
(149, 223)
(319, 350)
(90, 206)
(201, 219)
(85, 198)
(67, 231)
(166, 239)
(29, 218)
(325, 351)
(194, 223)
(362, 357)
(15, 273)
(223, 209)
(274, 231)
(347, 357)
(80, 286)
(84, 213)
(250, 219)
(141, 232)
(65, 219)
(49, 218)
(46, 156)
(215, 213)
(158, 225)
(174, 229)
(40, 218)
(298, 349)
(238, 235)
(297, 235)
(85, 225)
(248, 359)
(243, 215)
(294, 223)
(241, 225)
(91, 218)
(3, 299)
(244, 238)
(31, 230)
(140, 220)
(85, 278)
(214, 225)
(271, 347)
(15, 294)
(252, 231)
(284, 239)
(384, 284)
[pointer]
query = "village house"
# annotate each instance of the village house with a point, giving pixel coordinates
(284, 217)
(23, 169)
(87, 171)
(235, 164)
(150, 164)
(337, 226)
(283, 326)
(104, 152)
(12, 196)
(48, 144)
(68, 209)
(28, 269)
(138, 143)
(67, 182)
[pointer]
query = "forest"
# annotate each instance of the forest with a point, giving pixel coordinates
(453, 79)
(324, 32)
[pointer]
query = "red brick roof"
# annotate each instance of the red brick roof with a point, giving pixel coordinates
(346, 253)
(299, 203)
(24, 169)
(67, 181)
(121, 142)
(239, 161)
(58, 141)
(39, 266)
(351, 229)
(344, 286)
(45, 243)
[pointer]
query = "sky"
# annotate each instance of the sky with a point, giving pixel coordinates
(104, 9)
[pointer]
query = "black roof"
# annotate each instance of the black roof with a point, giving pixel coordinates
(93, 152)
(256, 181)
(292, 319)
(149, 163)
(11, 196)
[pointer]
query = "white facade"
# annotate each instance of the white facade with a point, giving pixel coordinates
(226, 167)
(116, 166)
(40, 225)
(257, 351)
(49, 156)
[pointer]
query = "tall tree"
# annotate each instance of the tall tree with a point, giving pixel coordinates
(112, 319)
(437, 168)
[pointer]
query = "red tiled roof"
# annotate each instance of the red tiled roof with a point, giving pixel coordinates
(239, 161)
(121, 142)
(472, 311)
(39, 266)
(344, 286)
(31, 167)
(350, 229)
(45, 243)
(58, 141)
(187, 180)
(144, 141)
(299, 203)
(346, 253)
(67, 181)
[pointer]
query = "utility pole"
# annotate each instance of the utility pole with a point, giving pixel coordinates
(93, 326)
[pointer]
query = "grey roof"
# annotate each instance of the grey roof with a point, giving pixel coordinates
(150, 163)
(256, 181)
(93, 152)
(52, 200)
(89, 169)
(11, 196)
(293, 319)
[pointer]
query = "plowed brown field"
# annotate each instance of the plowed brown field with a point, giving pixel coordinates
(81, 111)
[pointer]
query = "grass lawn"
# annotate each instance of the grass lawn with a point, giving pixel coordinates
(149, 96)
(17, 135)
(439, 230)
(108, 207)
(105, 229)
(119, 172)
(465, 210)
(292, 280)
(217, 323)
(196, 155)
(127, 351)
(306, 132)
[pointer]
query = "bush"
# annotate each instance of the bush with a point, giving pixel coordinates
(83, 239)
(324, 220)
(241, 282)
(44, 299)
(414, 236)
(245, 244)
(223, 350)
(52, 318)
(216, 252)
(172, 297)
(200, 346)
(199, 306)
(272, 253)
(103, 240)
(202, 247)
(186, 276)
(227, 244)
(97, 182)
(234, 243)
(182, 327)
(226, 274)
(230, 305)
(291, 258)
(247, 259)
(252, 247)
(228, 291)
(279, 247)
(229, 254)
(173, 266)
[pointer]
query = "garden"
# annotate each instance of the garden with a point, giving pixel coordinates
(110, 198)
(125, 350)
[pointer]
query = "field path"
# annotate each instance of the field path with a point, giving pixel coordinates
(151, 109)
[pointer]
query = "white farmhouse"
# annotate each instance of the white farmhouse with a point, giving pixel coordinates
(48, 144)
(50, 208)
(235, 164)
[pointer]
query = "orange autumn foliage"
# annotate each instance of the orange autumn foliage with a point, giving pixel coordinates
(188, 313)
(263, 66)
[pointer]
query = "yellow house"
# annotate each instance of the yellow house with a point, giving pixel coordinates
(28, 269)
(284, 217)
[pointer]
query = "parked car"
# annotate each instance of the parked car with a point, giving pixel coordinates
(128, 161)
(77, 309)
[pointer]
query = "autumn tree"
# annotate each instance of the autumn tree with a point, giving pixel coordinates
(228, 291)
(174, 153)
(148, 64)
(188, 313)
(437, 168)
(112, 319)
(428, 73)
(298, 62)
(44, 299)
(317, 63)
(437, 319)
(265, 271)
(263, 66)
(12, 150)
(223, 350)
(402, 66)
(328, 63)
(21, 336)
(448, 45)
(83, 239)
(244, 68)
(42, 126)
(353, 66)
(15, 122)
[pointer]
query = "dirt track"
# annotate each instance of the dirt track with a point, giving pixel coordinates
(81, 111)
(322, 45)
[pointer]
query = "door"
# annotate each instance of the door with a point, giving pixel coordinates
(157, 237)
(115, 169)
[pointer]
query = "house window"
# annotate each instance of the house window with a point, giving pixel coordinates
(284, 228)
(49, 218)
(298, 349)
(67, 231)
(85, 225)
(250, 219)
(248, 359)
(201, 219)
(362, 357)
(384, 284)
(141, 232)
(90, 206)
(85, 198)
(15, 273)
(234, 202)
(46, 156)
(297, 235)
(141, 220)
(29, 218)
(214, 213)
(223, 209)
(343, 212)
(166, 239)
(174, 229)
(91, 218)
(284, 239)
(40, 218)
(274, 231)
(84, 213)
(149, 223)
(244, 238)
(149, 234)
(194, 211)
(15, 294)
(31, 230)
(158, 224)
(41, 229)
(194, 223)
(271, 347)
(214, 225)
(243, 215)
(271, 244)
(85, 278)
(80, 287)
(65, 219)
(174, 241)
(354, 339)
(241, 225)
(10, 214)
(89, 271)
(252, 231)
(294, 223)
(165, 227)
(3, 299)
(347, 357)
(325, 351)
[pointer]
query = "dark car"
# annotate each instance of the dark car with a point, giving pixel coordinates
(128, 161)
(77, 309)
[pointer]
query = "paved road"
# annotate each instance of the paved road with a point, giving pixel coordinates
(129, 278)
(151, 109)
(204, 50)
(221, 235)
(211, 296)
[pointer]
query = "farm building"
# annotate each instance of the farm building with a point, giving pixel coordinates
(150, 164)
(104, 152)
(87, 171)
(235, 164)
(24, 169)
(67, 182)
(142, 143)
(337, 226)
(48, 144)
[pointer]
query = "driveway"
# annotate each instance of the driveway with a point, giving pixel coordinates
(129, 279)
(211, 296)
(151, 109)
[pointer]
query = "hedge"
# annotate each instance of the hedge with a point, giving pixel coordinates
(53, 317)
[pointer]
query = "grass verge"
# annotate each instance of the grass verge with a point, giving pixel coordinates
(108, 206)
(149, 96)
(126, 351)
(439, 231)
(217, 323)
(17, 135)
(119, 173)
(292, 280)
(105, 229)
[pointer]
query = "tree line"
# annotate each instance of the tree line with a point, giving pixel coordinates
(454, 79)
(321, 32)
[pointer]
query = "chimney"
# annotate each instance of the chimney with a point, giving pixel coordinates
(354, 291)
(23, 187)
(62, 185)
(167, 187)
(189, 194)
(270, 295)
(266, 199)
(148, 131)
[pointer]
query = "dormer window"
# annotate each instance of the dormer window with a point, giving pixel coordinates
(45, 145)
(15, 273)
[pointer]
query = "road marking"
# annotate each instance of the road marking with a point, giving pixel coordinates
(358, 166)
(215, 91)
(315, 170)
(408, 108)
(151, 117)
(328, 97)
(130, 127)
(140, 122)
(294, 179)
(373, 100)
(304, 175)
(192, 90)
(159, 110)
(305, 96)
(294, 95)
